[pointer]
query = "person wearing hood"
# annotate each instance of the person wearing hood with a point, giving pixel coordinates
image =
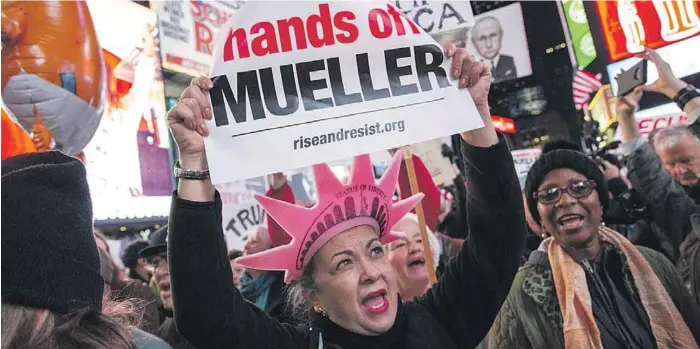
(339, 274)
(587, 286)
(52, 289)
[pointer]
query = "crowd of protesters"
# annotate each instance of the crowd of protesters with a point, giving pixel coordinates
(597, 250)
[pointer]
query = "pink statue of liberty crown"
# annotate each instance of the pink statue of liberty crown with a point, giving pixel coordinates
(338, 208)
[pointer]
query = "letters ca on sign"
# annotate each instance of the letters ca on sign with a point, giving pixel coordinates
(436, 16)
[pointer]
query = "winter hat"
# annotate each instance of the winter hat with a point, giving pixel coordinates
(563, 158)
(49, 254)
(339, 207)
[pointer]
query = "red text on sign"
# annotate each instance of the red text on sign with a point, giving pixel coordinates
(317, 30)
(382, 23)
(206, 16)
(648, 125)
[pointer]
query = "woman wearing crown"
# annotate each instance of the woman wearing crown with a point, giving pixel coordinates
(335, 264)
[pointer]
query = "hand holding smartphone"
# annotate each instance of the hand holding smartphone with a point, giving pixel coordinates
(631, 78)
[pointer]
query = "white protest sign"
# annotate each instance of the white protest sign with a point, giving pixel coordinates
(188, 30)
(240, 212)
(298, 83)
(441, 169)
(438, 16)
(523, 160)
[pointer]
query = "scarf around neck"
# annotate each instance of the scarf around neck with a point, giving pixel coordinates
(580, 329)
(257, 290)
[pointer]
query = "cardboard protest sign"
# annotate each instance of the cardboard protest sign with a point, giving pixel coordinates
(298, 83)
(240, 212)
(523, 160)
(188, 30)
(441, 169)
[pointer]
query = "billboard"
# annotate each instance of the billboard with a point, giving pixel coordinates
(498, 38)
(579, 31)
(629, 25)
(128, 161)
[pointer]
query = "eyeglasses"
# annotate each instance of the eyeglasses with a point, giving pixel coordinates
(576, 190)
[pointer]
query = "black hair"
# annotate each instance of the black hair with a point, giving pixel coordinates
(130, 255)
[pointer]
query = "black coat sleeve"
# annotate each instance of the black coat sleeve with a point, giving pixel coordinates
(475, 284)
(669, 202)
(209, 311)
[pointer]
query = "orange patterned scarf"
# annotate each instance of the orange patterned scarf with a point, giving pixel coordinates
(580, 329)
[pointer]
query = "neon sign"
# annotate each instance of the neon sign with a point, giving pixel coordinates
(629, 25)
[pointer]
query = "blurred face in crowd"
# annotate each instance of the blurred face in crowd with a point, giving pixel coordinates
(408, 259)
(681, 157)
(487, 37)
(257, 242)
(571, 215)
(355, 284)
(237, 271)
(162, 276)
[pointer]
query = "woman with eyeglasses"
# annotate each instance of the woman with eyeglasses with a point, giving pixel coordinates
(587, 286)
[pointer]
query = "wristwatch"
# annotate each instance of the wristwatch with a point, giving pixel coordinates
(187, 173)
(685, 95)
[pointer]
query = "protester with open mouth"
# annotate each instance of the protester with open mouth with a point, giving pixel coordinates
(587, 286)
(408, 258)
(335, 264)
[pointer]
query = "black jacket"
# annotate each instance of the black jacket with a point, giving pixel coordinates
(456, 313)
(168, 331)
(531, 316)
(672, 207)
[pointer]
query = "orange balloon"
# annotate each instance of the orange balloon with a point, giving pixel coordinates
(51, 61)
(15, 140)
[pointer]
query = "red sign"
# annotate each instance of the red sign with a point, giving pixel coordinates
(629, 25)
(503, 124)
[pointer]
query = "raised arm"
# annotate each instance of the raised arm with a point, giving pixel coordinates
(475, 284)
(670, 205)
(209, 311)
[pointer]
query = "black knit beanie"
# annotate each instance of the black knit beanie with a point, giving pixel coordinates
(563, 158)
(49, 255)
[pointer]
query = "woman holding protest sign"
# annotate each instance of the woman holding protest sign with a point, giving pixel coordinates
(338, 272)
